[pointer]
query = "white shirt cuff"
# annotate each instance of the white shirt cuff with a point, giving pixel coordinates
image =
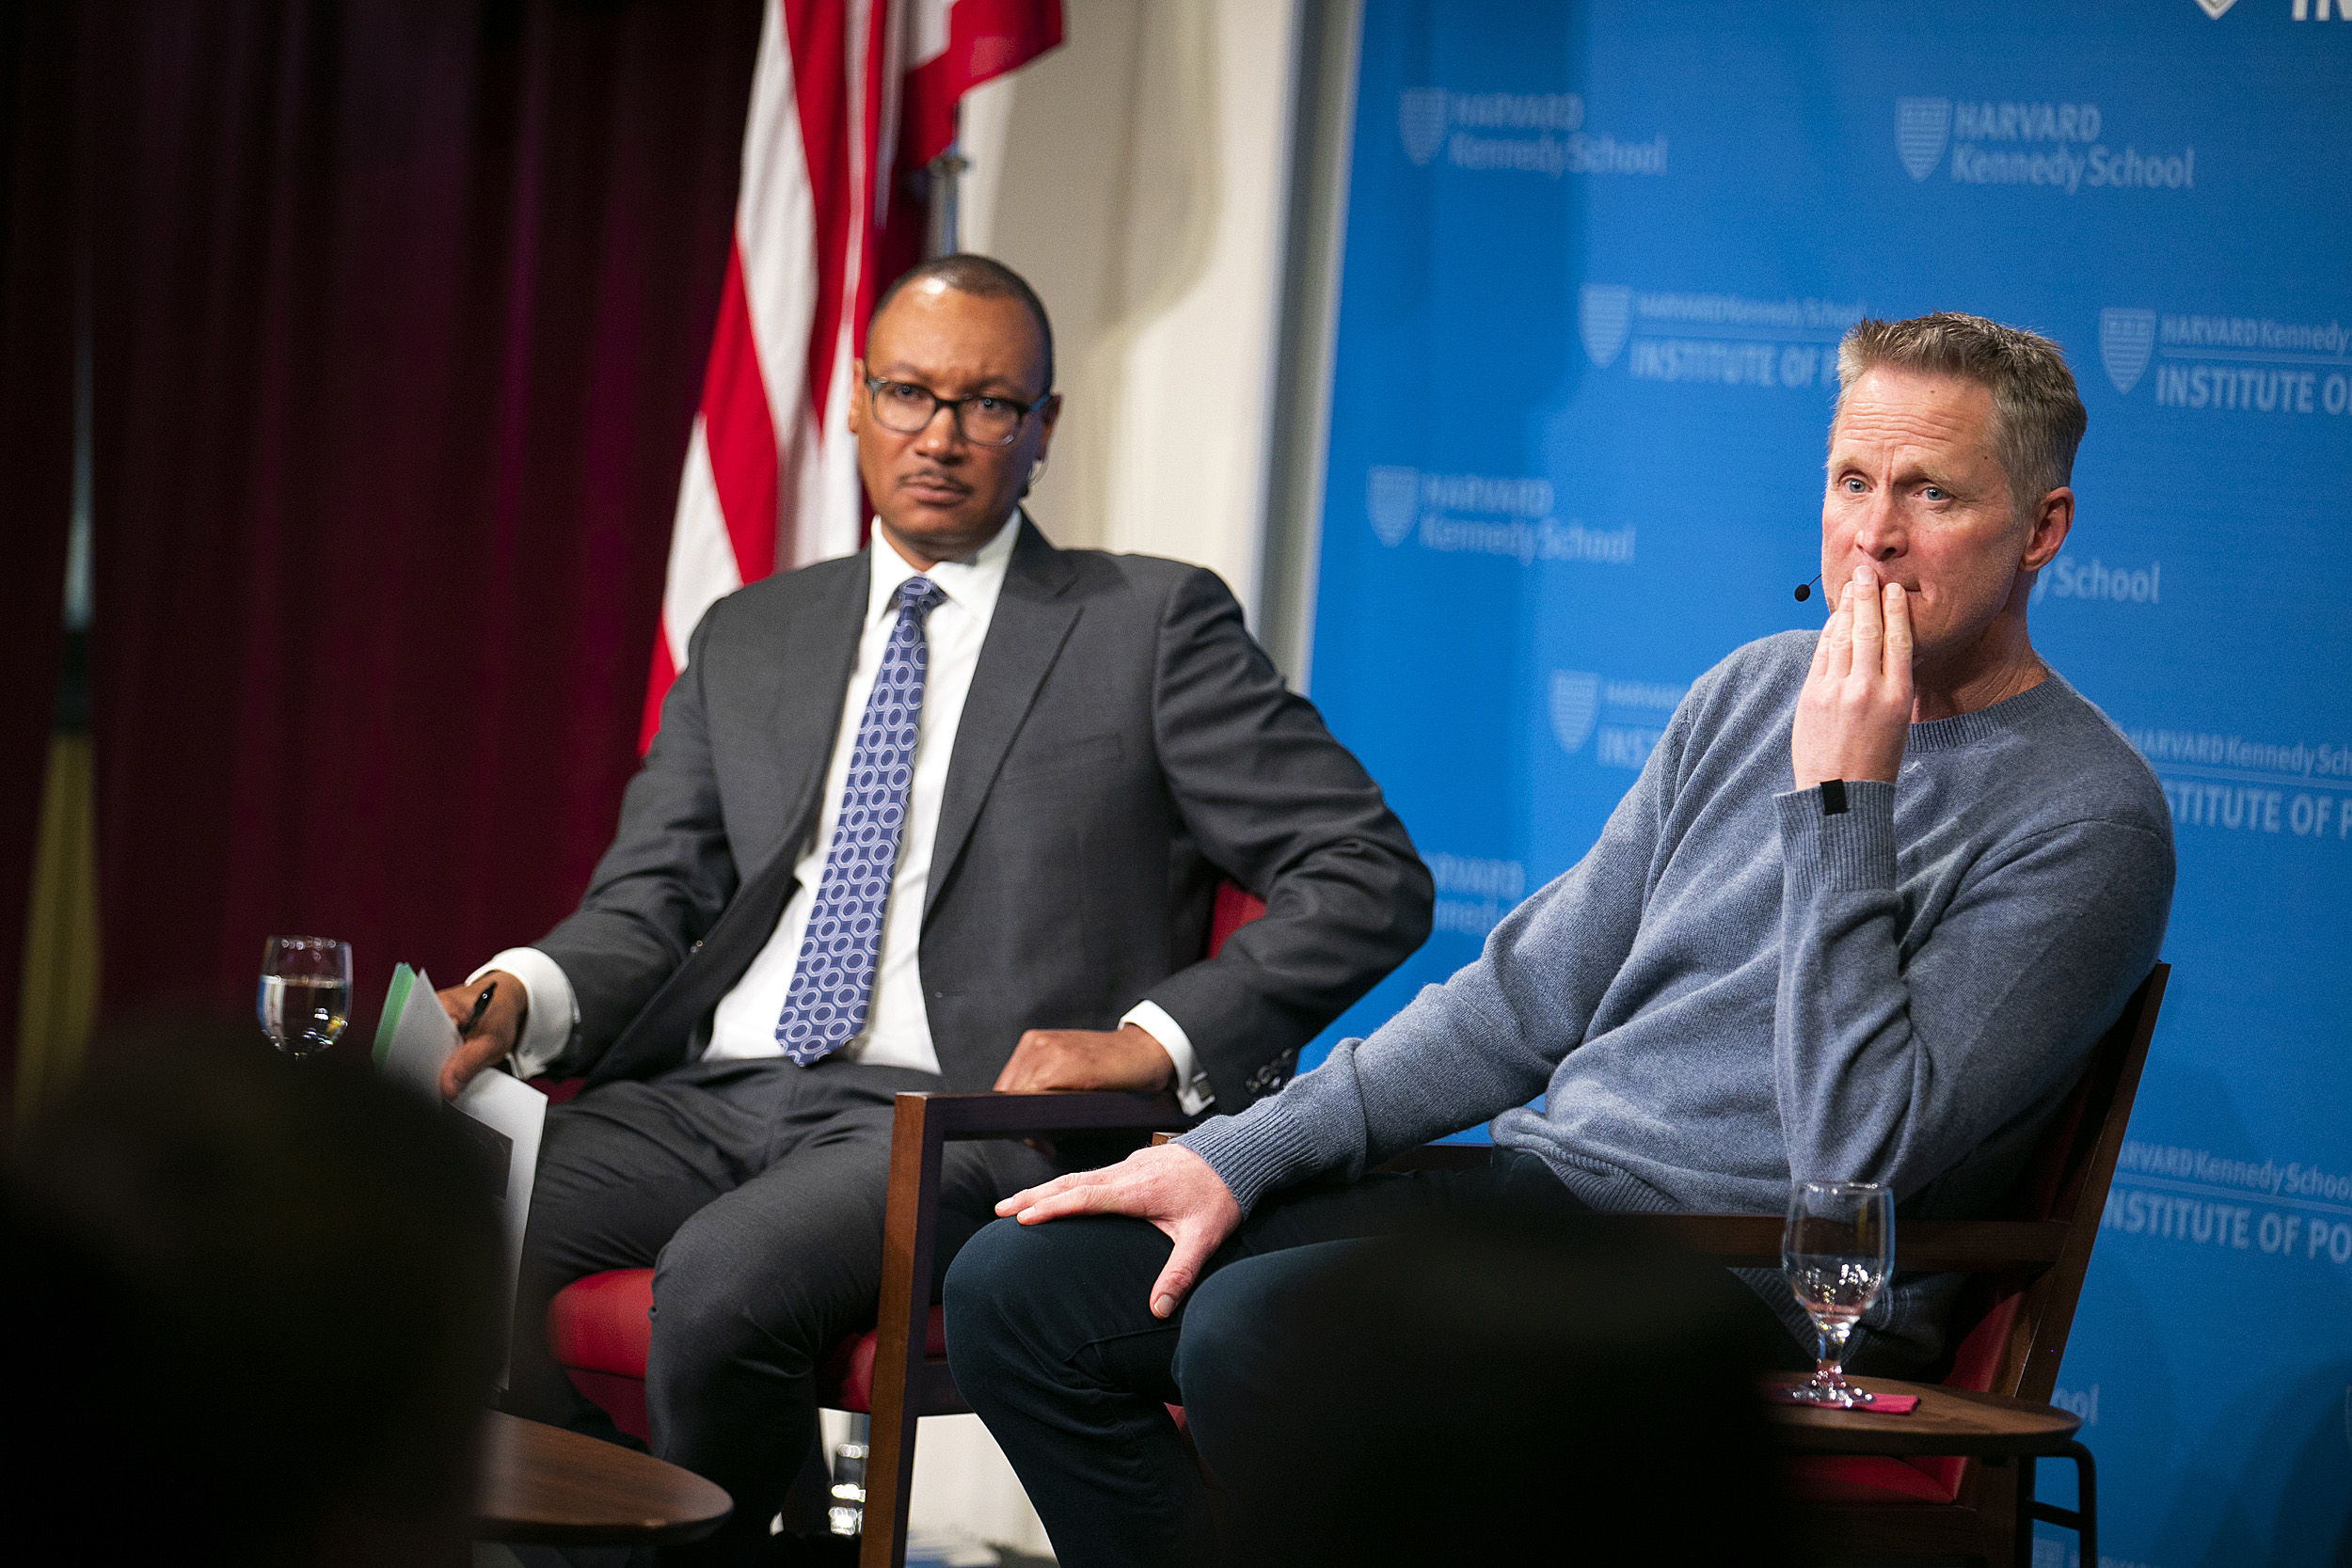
(554, 1011)
(1193, 1093)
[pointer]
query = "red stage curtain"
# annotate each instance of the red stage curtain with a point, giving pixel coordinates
(36, 443)
(400, 314)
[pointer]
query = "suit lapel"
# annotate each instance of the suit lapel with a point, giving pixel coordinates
(1024, 636)
(815, 648)
(817, 651)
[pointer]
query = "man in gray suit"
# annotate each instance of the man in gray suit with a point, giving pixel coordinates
(945, 815)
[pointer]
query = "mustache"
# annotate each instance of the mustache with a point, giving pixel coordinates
(933, 475)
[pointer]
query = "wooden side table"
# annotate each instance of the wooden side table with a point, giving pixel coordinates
(546, 1485)
(1959, 1421)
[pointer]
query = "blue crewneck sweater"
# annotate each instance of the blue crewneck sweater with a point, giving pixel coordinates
(1736, 987)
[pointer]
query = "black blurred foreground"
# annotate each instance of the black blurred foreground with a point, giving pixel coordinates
(251, 1314)
(1511, 1390)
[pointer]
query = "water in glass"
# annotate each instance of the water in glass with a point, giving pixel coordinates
(305, 996)
(1835, 1252)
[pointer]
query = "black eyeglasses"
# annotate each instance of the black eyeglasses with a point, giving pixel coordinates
(987, 421)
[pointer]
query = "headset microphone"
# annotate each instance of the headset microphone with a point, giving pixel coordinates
(1805, 589)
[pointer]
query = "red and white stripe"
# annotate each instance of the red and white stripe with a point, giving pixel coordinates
(770, 478)
(957, 45)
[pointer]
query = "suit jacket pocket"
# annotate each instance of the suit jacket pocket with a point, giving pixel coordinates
(1087, 752)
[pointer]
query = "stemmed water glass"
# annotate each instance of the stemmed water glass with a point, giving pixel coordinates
(1837, 1251)
(305, 996)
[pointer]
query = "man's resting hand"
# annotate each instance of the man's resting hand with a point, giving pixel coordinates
(1123, 1059)
(501, 1026)
(1171, 1186)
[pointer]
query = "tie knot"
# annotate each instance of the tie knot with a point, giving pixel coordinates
(918, 597)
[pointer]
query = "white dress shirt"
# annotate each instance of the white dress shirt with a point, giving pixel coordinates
(897, 1030)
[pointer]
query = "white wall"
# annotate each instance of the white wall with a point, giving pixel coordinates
(1137, 177)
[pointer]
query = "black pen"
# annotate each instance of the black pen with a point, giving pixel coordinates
(480, 1006)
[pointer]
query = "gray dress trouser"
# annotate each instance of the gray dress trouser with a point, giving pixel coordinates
(755, 1191)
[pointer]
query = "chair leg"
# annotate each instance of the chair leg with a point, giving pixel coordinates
(2082, 1518)
(883, 1538)
(845, 1469)
(2087, 1493)
(910, 1230)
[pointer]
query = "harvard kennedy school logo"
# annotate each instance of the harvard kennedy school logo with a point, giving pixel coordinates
(1421, 120)
(1603, 312)
(1575, 704)
(1922, 125)
(1391, 496)
(2126, 337)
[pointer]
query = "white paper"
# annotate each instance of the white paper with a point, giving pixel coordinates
(504, 1118)
(422, 1038)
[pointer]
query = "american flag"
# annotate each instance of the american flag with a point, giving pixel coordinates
(848, 96)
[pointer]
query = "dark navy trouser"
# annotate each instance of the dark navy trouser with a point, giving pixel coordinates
(1052, 1340)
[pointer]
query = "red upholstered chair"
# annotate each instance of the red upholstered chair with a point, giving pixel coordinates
(2011, 1326)
(599, 1328)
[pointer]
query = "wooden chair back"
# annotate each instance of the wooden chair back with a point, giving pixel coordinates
(2011, 1324)
(2071, 1188)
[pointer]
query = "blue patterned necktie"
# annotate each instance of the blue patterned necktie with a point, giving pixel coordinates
(833, 981)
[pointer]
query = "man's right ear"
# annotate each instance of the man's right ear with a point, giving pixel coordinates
(2053, 520)
(857, 394)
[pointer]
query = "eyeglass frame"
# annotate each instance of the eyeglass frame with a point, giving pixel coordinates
(874, 384)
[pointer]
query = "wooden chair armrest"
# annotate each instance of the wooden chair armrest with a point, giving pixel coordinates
(1032, 1114)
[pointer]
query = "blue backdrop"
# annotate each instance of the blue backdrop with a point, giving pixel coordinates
(1596, 267)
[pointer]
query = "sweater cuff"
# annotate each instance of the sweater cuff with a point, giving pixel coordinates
(1826, 850)
(1253, 1153)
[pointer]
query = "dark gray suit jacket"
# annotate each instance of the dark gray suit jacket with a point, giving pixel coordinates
(1124, 743)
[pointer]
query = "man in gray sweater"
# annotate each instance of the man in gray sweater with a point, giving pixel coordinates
(1874, 897)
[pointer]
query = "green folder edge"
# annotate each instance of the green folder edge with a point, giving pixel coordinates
(394, 1000)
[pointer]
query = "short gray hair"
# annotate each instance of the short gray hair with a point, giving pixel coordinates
(2038, 417)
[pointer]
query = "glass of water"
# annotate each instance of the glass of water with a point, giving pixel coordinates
(1836, 1252)
(305, 997)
